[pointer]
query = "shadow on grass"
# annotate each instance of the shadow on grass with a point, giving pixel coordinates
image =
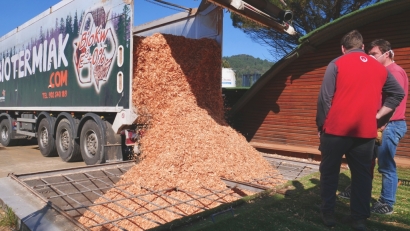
(294, 206)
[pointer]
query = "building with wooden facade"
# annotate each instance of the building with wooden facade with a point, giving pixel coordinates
(278, 112)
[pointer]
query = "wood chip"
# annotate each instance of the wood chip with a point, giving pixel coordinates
(177, 85)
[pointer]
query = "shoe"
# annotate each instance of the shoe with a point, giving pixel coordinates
(381, 208)
(328, 219)
(376, 204)
(346, 194)
(359, 225)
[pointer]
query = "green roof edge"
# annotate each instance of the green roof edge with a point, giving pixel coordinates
(336, 21)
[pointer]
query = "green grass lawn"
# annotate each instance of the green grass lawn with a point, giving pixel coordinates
(298, 209)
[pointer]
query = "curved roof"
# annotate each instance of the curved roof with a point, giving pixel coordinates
(322, 34)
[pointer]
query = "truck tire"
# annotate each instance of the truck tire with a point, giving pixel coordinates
(67, 147)
(91, 143)
(46, 142)
(5, 133)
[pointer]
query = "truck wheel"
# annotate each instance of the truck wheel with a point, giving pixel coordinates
(46, 142)
(67, 148)
(91, 143)
(5, 133)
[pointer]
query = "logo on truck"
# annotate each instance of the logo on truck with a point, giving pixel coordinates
(95, 49)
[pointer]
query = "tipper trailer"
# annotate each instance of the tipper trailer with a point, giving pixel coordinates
(66, 75)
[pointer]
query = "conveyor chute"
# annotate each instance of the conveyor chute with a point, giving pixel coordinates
(262, 12)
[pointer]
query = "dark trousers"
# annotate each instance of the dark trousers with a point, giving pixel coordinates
(359, 155)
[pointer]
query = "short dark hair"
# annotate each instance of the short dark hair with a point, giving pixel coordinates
(384, 46)
(352, 40)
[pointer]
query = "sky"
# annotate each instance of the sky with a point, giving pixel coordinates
(14, 13)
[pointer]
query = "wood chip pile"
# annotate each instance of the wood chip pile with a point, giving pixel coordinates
(177, 85)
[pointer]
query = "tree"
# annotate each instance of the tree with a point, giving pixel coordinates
(69, 25)
(246, 65)
(75, 24)
(41, 37)
(307, 16)
(225, 63)
(62, 26)
(124, 24)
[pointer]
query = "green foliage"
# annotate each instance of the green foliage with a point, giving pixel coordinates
(124, 23)
(69, 24)
(246, 64)
(307, 16)
(8, 218)
(75, 24)
(225, 64)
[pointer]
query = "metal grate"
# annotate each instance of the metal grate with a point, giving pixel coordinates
(404, 182)
(155, 206)
(73, 193)
(77, 191)
(290, 169)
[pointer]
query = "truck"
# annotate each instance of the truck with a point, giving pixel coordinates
(66, 75)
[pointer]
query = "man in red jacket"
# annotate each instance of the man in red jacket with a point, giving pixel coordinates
(347, 114)
(394, 130)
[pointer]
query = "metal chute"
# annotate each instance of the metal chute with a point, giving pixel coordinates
(262, 12)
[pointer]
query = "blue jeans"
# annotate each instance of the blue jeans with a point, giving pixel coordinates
(392, 134)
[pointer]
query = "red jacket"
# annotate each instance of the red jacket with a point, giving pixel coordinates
(351, 93)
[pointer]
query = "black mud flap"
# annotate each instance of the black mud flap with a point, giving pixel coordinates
(113, 153)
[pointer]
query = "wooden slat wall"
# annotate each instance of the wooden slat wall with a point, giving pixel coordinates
(284, 111)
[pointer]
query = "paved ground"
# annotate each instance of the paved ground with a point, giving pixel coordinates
(28, 159)
(292, 169)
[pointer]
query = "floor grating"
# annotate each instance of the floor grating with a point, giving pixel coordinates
(75, 192)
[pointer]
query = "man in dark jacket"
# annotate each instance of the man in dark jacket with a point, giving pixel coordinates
(347, 113)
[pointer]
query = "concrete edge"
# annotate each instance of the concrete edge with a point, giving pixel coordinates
(32, 212)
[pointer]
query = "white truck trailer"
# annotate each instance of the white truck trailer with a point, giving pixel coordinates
(66, 75)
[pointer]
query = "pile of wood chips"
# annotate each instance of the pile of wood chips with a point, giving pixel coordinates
(177, 84)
